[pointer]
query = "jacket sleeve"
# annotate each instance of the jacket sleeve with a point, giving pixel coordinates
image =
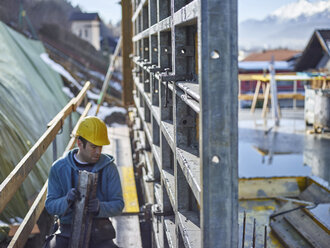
(114, 203)
(55, 203)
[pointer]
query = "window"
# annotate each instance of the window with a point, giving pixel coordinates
(86, 33)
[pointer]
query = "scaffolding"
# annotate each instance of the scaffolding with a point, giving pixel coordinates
(185, 131)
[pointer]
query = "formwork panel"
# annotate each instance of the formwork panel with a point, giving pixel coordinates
(185, 76)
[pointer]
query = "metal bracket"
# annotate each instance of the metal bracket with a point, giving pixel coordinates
(146, 63)
(149, 179)
(157, 212)
(154, 69)
(173, 77)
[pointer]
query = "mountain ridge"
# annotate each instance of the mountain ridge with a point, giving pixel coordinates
(275, 31)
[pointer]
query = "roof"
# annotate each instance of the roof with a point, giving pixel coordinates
(245, 66)
(78, 16)
(317, 47)
(279, 55)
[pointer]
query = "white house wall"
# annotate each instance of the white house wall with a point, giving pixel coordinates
(88, 30)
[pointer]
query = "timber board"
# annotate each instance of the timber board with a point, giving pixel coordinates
(316, 194)
(312, 232)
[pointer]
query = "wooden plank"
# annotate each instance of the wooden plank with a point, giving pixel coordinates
(14, 228)
(110, 71)
(258, 188)
(127, 49)
(14, 180)
(71, 106)
(255, 97)
(321, 215)
(68, 108)
(287, 235)
(315, 193)
(314, 234)
(31, 218)
(264, 107)
(82, 222)
(299, 202)
(80, 97)
(295, 96)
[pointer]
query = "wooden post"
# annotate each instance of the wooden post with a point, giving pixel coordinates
(82, 221)
(266, 96)
(127, 49)
(255, 97)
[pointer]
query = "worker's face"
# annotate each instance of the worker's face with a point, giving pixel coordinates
(90, 153)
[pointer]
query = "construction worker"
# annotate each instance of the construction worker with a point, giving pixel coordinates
(62, 186)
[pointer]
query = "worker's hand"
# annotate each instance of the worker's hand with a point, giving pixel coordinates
(72, 195)
(93, 206)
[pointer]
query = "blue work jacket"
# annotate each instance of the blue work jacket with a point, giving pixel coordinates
(108, 192)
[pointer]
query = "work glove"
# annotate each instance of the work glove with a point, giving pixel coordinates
(72, 195)
(93, 206)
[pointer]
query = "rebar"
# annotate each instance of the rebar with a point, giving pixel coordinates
(265, 237)
(254, 234)
(243, 236)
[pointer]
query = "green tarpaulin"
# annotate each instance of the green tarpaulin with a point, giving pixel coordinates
(30, 96)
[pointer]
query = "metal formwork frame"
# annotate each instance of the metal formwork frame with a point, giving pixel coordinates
(185, 93)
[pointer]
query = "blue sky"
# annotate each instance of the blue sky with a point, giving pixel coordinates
(111, 10)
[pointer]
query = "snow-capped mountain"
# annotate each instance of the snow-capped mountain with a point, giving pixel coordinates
(290, 26)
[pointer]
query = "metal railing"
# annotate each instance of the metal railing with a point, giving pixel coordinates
(185, 129)
(15, 179)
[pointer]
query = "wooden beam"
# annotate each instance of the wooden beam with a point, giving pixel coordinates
(81, 227)
(264, 107)
(296, 96)
(255, 97)
(127, 49)
(24, 230)
(11, 184)
(13, 181)
(110, 71)
(72, 105)
(64, 112)
(80, 97)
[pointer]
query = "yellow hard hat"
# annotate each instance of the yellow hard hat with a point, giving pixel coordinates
(93, 130)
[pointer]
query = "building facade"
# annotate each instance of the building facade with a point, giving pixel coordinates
(87, 27)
